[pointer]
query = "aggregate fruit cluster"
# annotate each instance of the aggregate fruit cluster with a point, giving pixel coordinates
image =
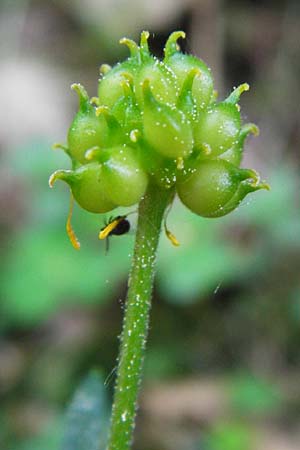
(158, 121)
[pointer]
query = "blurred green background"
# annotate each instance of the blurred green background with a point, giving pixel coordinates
(222, 370)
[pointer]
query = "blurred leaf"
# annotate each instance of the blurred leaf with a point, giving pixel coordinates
(50, 439)
(202, 262)
(276, 211)
(158, 365)
(87, 416)
(35, 160)
(252, 395)
(43, 270)
(229, 436)
(294, 305)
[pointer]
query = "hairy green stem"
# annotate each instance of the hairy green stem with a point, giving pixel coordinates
(136, 319)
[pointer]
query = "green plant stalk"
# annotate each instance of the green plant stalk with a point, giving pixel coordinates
(136, 318)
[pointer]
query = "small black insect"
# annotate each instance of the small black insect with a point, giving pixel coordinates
(116, 225)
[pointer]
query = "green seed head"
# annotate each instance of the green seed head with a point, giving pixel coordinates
(160, 121)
